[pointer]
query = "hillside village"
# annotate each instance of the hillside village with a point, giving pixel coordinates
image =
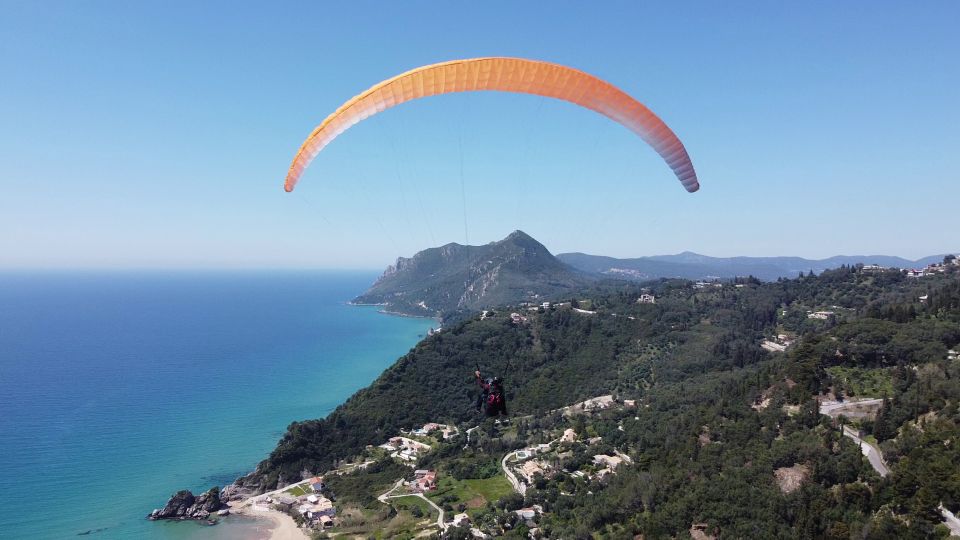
(459, 475)
(314, 505)
(573, 459)
(565, 449)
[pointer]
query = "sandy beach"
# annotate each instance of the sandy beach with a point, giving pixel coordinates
(283, 527)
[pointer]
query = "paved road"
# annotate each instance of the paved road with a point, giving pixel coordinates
(251, 500)
(833, 408)
(869, 450)
(951, 521)
(517, 486)
(876, 460)
(386, 495)
(469, 431)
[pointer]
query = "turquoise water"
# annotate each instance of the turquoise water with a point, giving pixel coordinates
(116, 389)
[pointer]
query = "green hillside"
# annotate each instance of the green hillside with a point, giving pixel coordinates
(717, 415)
(454, 278)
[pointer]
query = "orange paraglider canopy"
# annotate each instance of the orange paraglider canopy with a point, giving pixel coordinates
(504, 75)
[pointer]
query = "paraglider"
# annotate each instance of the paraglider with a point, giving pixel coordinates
(501, 74)
(491, 400)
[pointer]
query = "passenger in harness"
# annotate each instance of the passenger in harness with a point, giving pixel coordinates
(491, 398)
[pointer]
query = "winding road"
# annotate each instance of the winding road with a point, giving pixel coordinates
(950, 520)
(517, 486)
(876, 458)
(387, 495)
(468, 436)
(836, 408)
(869, 450)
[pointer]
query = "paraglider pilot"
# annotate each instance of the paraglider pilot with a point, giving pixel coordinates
(491, 399)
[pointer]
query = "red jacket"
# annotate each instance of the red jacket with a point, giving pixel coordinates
(496, 404)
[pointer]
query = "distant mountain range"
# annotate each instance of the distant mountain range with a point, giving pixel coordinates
(691, 265)
(454, 277)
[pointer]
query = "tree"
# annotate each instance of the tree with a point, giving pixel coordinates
(882, 428)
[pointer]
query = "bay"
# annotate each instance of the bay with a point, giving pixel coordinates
(118, 388)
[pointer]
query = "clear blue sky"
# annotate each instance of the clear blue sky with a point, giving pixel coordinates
(139, 134)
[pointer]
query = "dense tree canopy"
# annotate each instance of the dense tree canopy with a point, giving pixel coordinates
(716, 415)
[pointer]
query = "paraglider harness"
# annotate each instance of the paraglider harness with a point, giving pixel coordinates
(491, 398)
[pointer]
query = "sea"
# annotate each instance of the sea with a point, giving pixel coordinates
(119, 388)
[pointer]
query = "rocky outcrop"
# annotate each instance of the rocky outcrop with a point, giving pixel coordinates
(183, 505)
(252, 484)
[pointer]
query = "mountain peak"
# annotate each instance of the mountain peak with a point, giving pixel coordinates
(452, 278)
(519, 235)
(523, 240)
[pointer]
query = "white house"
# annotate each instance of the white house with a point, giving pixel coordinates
(773, 346)
(610, 462)
(526, 513)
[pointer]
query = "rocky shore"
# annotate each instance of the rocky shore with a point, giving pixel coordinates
(184, 505)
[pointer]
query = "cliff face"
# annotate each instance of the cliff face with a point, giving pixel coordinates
(453, 277)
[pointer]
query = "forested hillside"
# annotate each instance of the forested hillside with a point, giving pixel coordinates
(690, 265)
(718, 418)
(454, 279)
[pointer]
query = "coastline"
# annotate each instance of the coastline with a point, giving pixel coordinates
(399, 314)
(238, 395)
(396, 313)
(279, 525)
(282, 526)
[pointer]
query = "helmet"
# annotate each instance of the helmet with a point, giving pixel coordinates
(497, 380)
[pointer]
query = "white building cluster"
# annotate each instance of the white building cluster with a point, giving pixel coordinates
(935, 268)
(404, 448)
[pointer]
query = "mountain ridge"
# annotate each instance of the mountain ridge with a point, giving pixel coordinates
(690, 265)
(438, 281)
